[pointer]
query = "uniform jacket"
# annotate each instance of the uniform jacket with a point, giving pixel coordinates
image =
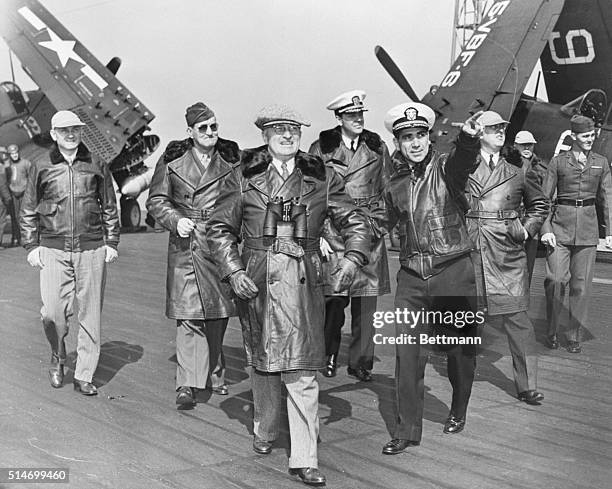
(501, 262)
(179, 189)
(17, 176)
(5, 194)
(428, 202)
(573, 225)
(364, 175)
(69, 207)
(283, 326)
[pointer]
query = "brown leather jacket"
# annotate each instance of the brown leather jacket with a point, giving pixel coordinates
(69, 207)
(429, 203)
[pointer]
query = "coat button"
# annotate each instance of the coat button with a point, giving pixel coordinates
(302, 280)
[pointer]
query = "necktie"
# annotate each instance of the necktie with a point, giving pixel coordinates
(353, 146)
(284, 170)
(491, 163)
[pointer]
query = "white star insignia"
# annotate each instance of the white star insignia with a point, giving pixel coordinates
(64, 49)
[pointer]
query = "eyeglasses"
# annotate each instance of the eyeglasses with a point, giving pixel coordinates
(496, 128)
(203, 129)
(64, 131)
(281, 129)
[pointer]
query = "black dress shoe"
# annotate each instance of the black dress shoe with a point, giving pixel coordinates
(360, 373)
(454, 424)
(532, 397)
(552, 342)
(573, 347)
(56, 376)
(330, 368)
(262, 447)
(398, 445)
(85, 388)
(185, 396)
(221, 390)
(309, 475)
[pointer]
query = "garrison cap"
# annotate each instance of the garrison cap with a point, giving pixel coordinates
(198, 112)
(409, 115)
(279, 114)
(491, 118)
(580, 124)
(524, 137)
(348, 102)
(65, 118)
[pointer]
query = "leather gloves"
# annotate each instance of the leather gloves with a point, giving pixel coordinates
(345, 273)
(243, 286)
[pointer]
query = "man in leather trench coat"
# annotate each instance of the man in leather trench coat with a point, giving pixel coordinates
(183, 192)
(425, 196)
(70, 227)
(362, 160)
(497, 189)
(277, 201)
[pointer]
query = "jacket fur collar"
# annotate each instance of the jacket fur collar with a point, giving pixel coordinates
(330, 140)
(228, 150)
(403, 165)
(257, 160)
(83, 154)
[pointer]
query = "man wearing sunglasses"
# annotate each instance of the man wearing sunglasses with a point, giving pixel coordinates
(277, 202)
(498, 188)
(361, 159)
(183, 192)
(70, 227)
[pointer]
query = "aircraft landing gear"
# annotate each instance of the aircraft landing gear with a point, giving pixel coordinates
(130, 215)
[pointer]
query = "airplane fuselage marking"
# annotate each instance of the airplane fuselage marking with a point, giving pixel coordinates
(572, 59)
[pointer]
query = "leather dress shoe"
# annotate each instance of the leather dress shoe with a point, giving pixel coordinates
(85, 388)
(552, 342)
(330, 368)
(532, 397)
(360, 373)
(573, 347)
(398, 445)
(261, 446)
(454, 424)
(56, 376)
(221, 390)
(309, 475)
(185, 397)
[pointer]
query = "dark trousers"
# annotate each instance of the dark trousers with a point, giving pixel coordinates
(15, 210)
(531, 250)
(361, 349)
(437, 293)
(573, 265)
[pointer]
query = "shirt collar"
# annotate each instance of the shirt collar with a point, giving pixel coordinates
(347, 141)
(278, 165)
(487, 157)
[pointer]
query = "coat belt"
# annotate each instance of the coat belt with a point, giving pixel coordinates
(200, 214)
(500, 214)
(576, 202)
(308, 244)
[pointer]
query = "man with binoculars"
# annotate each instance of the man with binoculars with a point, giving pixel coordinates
(277, 202)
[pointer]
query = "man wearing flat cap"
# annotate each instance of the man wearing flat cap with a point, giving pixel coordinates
(185, 186)
(361, 159)
(277, 202)
(17, 176)
(524, 143)
(70, 227)
(499, 189)
(425, 196)
(581, 179)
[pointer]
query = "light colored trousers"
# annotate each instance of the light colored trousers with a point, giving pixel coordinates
(67, 276)
(302, 410)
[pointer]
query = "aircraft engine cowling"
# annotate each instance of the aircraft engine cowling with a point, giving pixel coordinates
(134, 185)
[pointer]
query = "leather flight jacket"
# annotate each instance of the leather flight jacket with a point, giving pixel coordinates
(70, 207)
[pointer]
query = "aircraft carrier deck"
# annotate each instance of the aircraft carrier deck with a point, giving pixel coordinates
(131, 435)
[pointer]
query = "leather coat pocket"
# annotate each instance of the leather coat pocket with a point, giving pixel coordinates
(447, 233)
(45, 208)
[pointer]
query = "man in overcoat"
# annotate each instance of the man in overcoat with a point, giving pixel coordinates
(497, 189)
(277, 202)
(425, 196)
(581, 180)
(185, 186)
(361, 159)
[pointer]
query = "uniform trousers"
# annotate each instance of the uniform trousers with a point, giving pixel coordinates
(531, 250)
(302, 410)
(521, 340)
(199, 352)
(574, 265)
(3, 213)
(361, 349)
(67, 276)
(15, 211)
(437, 293)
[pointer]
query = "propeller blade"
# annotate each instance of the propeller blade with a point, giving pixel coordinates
(114, 64)
(389, 65)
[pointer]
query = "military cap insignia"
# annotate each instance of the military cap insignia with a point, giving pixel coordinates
(411, 113)
(357, 101)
